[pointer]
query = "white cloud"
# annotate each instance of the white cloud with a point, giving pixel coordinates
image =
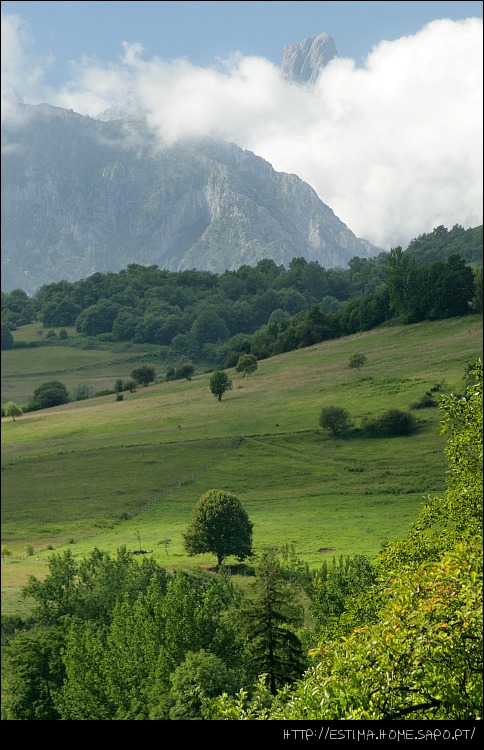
(394, 148)
(22, 72)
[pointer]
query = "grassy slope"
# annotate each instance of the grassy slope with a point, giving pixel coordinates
(98, 368)
(69, 474)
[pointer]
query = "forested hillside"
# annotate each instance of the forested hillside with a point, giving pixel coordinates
(211, 320)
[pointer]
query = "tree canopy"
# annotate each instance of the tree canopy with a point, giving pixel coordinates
(52, 393)
(247, 364)
(220, 525)
(219, 383)
(12, 410)
(144, 374)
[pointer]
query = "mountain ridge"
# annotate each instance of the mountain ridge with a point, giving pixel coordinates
(80, 195)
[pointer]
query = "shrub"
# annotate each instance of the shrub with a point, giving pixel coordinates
(144, 375)
(357, 360)
(426, 401)
(336, 419)
(392, 423)
(53, 393)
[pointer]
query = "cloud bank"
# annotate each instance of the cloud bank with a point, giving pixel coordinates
(393, 147)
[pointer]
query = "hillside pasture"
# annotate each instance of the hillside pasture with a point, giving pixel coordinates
(105, 473)
(74, 362)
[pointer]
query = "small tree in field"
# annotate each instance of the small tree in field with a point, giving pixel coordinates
(336, 419)
(247, 364)
(144, 374)
(219, 524)
(12, 410)
(219, 383)
(357, 360)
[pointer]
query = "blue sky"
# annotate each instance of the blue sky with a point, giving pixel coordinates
(204, 31)
(390, 137)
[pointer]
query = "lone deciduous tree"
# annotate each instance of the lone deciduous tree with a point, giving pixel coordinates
(12, 410)
(219, 524)
(219, 383)
(144, 374)
(247, 364)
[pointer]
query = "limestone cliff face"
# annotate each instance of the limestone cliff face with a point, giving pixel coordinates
(302, 61)
(80, 196)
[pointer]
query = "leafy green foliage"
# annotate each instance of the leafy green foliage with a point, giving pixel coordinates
(247, 364)
(184, 371)
(120, 639)
(52, 393)
(333, 585)
(144, 374)
(391, 423)
(11, 409)
(433, 291)
(220, 383)
(201, 676)
(419, 654)
(33, 675)
(336, 419)
(275, 311)
(219, 524)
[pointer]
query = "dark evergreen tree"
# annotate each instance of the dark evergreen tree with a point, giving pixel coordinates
(269, 617)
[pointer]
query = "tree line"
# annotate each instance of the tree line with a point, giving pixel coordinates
(395, 638)
(212, 320)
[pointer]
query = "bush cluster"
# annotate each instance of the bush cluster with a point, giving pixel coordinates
(392, 423)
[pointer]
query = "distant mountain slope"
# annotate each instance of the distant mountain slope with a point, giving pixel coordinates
(80, 195)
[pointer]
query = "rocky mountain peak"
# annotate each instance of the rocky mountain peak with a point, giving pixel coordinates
(302, 61)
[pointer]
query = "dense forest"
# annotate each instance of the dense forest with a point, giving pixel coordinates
(397, 638)
(211, 320)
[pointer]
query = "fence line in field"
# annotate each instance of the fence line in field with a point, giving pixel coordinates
(232, 444)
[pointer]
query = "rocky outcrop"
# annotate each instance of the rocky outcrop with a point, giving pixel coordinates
(302, 61)
(81, 196)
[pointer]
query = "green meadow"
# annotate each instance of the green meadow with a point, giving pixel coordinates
(106, 473)
(75, 362)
